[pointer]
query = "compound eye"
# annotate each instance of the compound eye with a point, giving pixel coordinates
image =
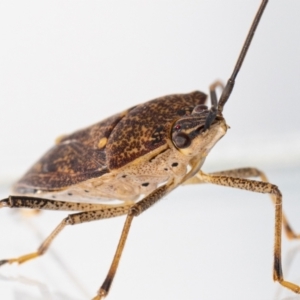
(181, 140)
(199, 109)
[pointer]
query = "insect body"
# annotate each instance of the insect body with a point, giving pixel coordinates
(128, 154)
(137, 157)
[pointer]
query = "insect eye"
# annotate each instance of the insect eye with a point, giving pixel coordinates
(181, 140)
(199, 109)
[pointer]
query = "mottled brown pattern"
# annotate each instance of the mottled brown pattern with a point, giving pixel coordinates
(244, 184)
(147, 126)
(91, 135)
(46, 204)
(74, 159)
(85, 154)
(241, 173)
(150, 200)
(108, 212)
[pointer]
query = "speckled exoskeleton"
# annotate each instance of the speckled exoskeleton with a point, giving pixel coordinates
(137, 157)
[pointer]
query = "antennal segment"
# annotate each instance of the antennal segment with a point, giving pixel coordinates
(230, 83)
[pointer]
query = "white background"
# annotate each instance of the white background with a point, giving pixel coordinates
(67, 64)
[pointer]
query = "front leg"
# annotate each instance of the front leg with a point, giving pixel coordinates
(266, 188)
(248, 173)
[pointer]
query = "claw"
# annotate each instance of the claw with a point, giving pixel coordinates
(101, 295)
(98, 297)
(20, 259)
(4, 203)
(3, 262)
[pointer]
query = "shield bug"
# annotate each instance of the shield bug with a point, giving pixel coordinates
(136, 156)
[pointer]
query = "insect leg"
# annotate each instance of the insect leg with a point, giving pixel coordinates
(266, 188)
(98, 213)
(246, 173)
(134, 211)
(46, 204)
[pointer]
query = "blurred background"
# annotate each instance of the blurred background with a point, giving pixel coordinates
(68, 64)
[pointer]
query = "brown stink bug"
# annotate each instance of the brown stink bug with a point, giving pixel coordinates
(137, 157)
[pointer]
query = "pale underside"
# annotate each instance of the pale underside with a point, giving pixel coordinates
(129, 183)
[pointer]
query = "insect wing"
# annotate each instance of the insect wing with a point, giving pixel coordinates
(76, 158)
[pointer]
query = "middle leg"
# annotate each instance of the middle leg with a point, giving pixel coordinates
(93, 212)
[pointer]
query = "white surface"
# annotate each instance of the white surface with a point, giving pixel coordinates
(200, 242)
(68, 64)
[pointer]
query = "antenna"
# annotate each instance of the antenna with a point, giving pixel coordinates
(230, 83)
